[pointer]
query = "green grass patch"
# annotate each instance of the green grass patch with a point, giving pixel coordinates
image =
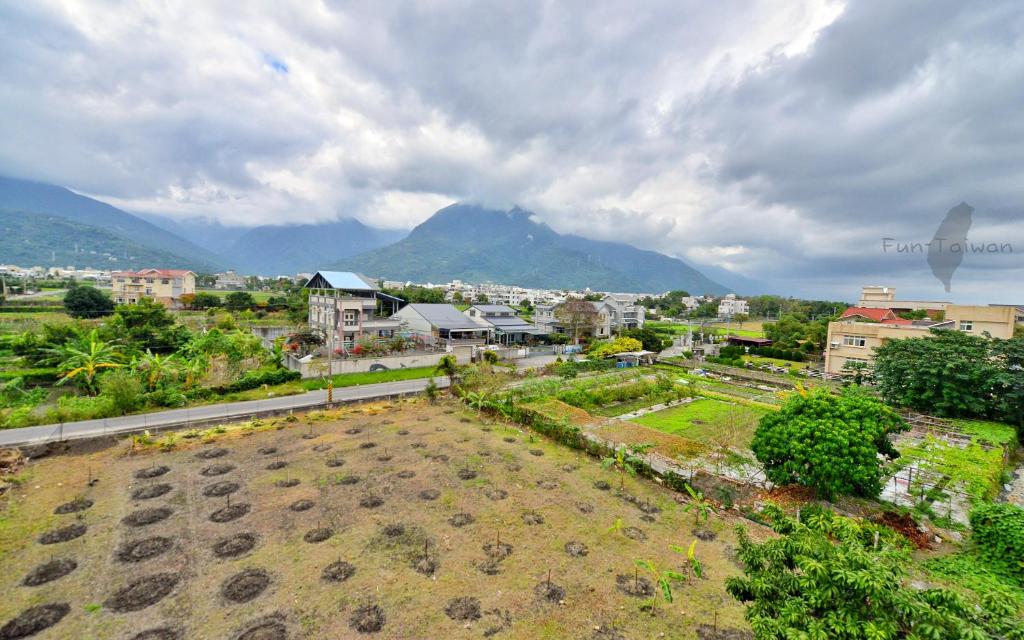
(371, 377)
(708, 421)
(992, 432)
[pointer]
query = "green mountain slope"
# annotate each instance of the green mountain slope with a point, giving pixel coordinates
(476, 244)
(36, 197)
(37, 239)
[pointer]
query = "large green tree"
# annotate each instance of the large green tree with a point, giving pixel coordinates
(828, 442)
(834, 578)
(84, 301)
(949, 373)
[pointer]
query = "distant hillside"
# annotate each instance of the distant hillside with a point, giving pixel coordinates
(39, 239)
(36, 197)
(293, 249)
(477, 245)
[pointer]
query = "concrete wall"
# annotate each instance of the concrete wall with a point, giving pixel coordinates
(317, 368)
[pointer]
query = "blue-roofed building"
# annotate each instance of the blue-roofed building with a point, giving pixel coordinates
(348, 307)
(508, 327)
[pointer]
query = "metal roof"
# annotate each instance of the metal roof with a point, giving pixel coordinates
(344, 280)
(444, 316)
(494, 308)
(507, 321)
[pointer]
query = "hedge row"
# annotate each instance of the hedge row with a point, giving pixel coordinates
(257, 378)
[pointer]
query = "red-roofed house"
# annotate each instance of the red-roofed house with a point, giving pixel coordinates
(865, 314)
(165, 286)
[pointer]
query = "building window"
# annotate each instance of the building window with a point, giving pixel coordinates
(350, 317)
(165, 281)
(967, 325)
(854, 341)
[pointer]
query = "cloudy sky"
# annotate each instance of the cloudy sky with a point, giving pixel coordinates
(779, 140)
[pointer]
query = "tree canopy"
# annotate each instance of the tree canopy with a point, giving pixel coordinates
(84, 301)
(828, 577)
(828, 442)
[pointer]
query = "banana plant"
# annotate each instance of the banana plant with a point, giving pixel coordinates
(662, 580)
(699, 505)
(693, 564)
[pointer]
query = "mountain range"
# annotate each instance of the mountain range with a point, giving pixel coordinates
(44, 224)
(476, 244)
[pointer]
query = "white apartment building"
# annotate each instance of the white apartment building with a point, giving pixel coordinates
(730, 306)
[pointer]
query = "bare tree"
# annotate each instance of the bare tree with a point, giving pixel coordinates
(576, 316)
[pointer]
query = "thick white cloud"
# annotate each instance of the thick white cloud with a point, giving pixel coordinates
(778, 139)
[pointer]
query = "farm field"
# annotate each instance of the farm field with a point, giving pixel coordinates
(404, 520)
(707, 421)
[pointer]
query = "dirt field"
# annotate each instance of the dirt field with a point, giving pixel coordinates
(406, 521)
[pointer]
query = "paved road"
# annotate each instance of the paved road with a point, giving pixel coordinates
(225, 411)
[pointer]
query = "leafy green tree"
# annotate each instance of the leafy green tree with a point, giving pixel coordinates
(834, 578)
(146, 325)
(87, 302)
(82, 360)
(998, 532)
(239, 301)
(206, 300)
(828, 442)
(1008, 385)
(649, 339)
(949, 373)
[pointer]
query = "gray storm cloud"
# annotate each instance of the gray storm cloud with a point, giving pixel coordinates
(780, 140)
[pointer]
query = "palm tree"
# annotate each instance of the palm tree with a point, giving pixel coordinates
(82, 360)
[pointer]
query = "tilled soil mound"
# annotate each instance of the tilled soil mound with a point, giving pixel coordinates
(150, 492)
(634, 586)
(339, 571)
(217, 469)
(405, 475)
(161, 633)
(275, 465)
(33, 620)
(144, 549)
(708, 632)
(461, 520)
(269, 628)
(464, 608)
(536, 452)
(349, 480)
(371, 502)
(601, 485)
(221, 489)
(151, 472)
(49, 571)
(266, 451)
(244, 586)
(320, 448)
(367, 619)
(367, 445)
(549, 591)
(317, 535)
(607, 633)
(144, 517)
(635, 534)
(302, 505)
(576, 549)
(430, 494)
(585, 507)
(496, 494)
(79, 504)
(498, 550)
(466, 474)
(63, 534)
(286, 484)
(142, 593)
(334, 463)
(210, 454)
(234, 546)
(230, 512)
(531, 518)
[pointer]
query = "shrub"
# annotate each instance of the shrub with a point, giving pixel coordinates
(257, 378)
(123, 390)
(999, 534)
(827, 442)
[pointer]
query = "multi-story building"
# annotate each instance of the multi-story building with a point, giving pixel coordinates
(506, 325)
(165, 286)
(730, 306)
(547, 321)
(347, 308)
(861, 330)
(624, 312)
(229, 280)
